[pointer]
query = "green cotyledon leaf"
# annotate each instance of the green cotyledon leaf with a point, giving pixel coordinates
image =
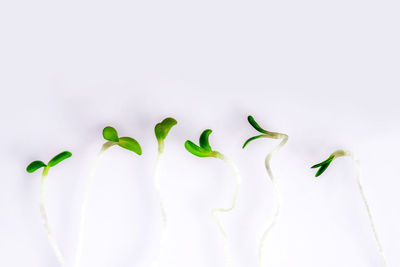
(130, 144)
(35, 165)
(251, 139)
(110, 134)
(58, 158)
(253, 123)
(162, 129)
(203, 140)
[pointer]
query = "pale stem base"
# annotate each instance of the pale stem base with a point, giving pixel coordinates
(277, 197)
(82, 218)
(45, 222)
(162, 208)
(369, 212)
(233, 205)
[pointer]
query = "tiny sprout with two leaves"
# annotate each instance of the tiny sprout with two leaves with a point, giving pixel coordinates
(267, 134)
(325, 164)
(32, 167)
(205, 150)
(161, 131)
(37, 164)
(110, 134)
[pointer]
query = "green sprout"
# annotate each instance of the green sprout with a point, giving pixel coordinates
(111, 136)
(325, 164)
(284, 139)
(32, 167)
(204, 150)
(161, 131)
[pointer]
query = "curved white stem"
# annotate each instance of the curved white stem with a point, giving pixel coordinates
(364, 198)
(233, 205)
(277, 198)
(162, 207)
(43, 214)
(82, 218)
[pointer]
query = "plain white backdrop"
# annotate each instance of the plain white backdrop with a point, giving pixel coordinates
(324, 72)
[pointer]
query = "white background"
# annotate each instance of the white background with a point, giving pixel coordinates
(324, 72)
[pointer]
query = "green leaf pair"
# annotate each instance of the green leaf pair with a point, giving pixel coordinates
(37, 164)
(253, 123)
(323, 165)
(162, 129)
(110, 134)
(204, 150)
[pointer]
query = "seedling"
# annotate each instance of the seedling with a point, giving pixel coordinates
(111, 137)
(32, 167)
(161, 131)
(284, 139)
(325, 164)
(205, 150)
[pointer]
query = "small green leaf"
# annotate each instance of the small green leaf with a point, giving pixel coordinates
(203, 140)
(110, 134)
(34, 165)
(322, 169)
(331, 157)
(255, 125)
(198, 151)
(58, 158)
(323, 165)
(130, 144)
(252, 138)
(162, 129)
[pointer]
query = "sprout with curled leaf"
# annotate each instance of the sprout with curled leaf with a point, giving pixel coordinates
(32, 167)
(205, 150)
(112, 139)
(322, 168)
(284, 139)
(161, 131)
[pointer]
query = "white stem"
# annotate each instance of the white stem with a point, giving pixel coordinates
(277, 194)
(45, 222)
(162, 207)
(82, 218)
(233, 205)
(364, 198)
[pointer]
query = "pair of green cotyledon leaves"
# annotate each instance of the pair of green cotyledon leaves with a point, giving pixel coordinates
(161, 131)
(110, 134)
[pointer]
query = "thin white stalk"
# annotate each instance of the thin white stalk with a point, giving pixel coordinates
(53, 242)
(364, 198)
(162, 207)
(277, 197)
(233, 205)
(82, 218)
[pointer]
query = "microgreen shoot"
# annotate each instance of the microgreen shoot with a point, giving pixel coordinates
(161, 131)
(284, 138)
(325, 164)
(32, 167)
(111, 137)
(204, 150)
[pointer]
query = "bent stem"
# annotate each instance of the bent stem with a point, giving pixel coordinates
(45, 222)
(82, 218)
(162, 207)
(364, 198)
(233, 205)
(273, 222)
